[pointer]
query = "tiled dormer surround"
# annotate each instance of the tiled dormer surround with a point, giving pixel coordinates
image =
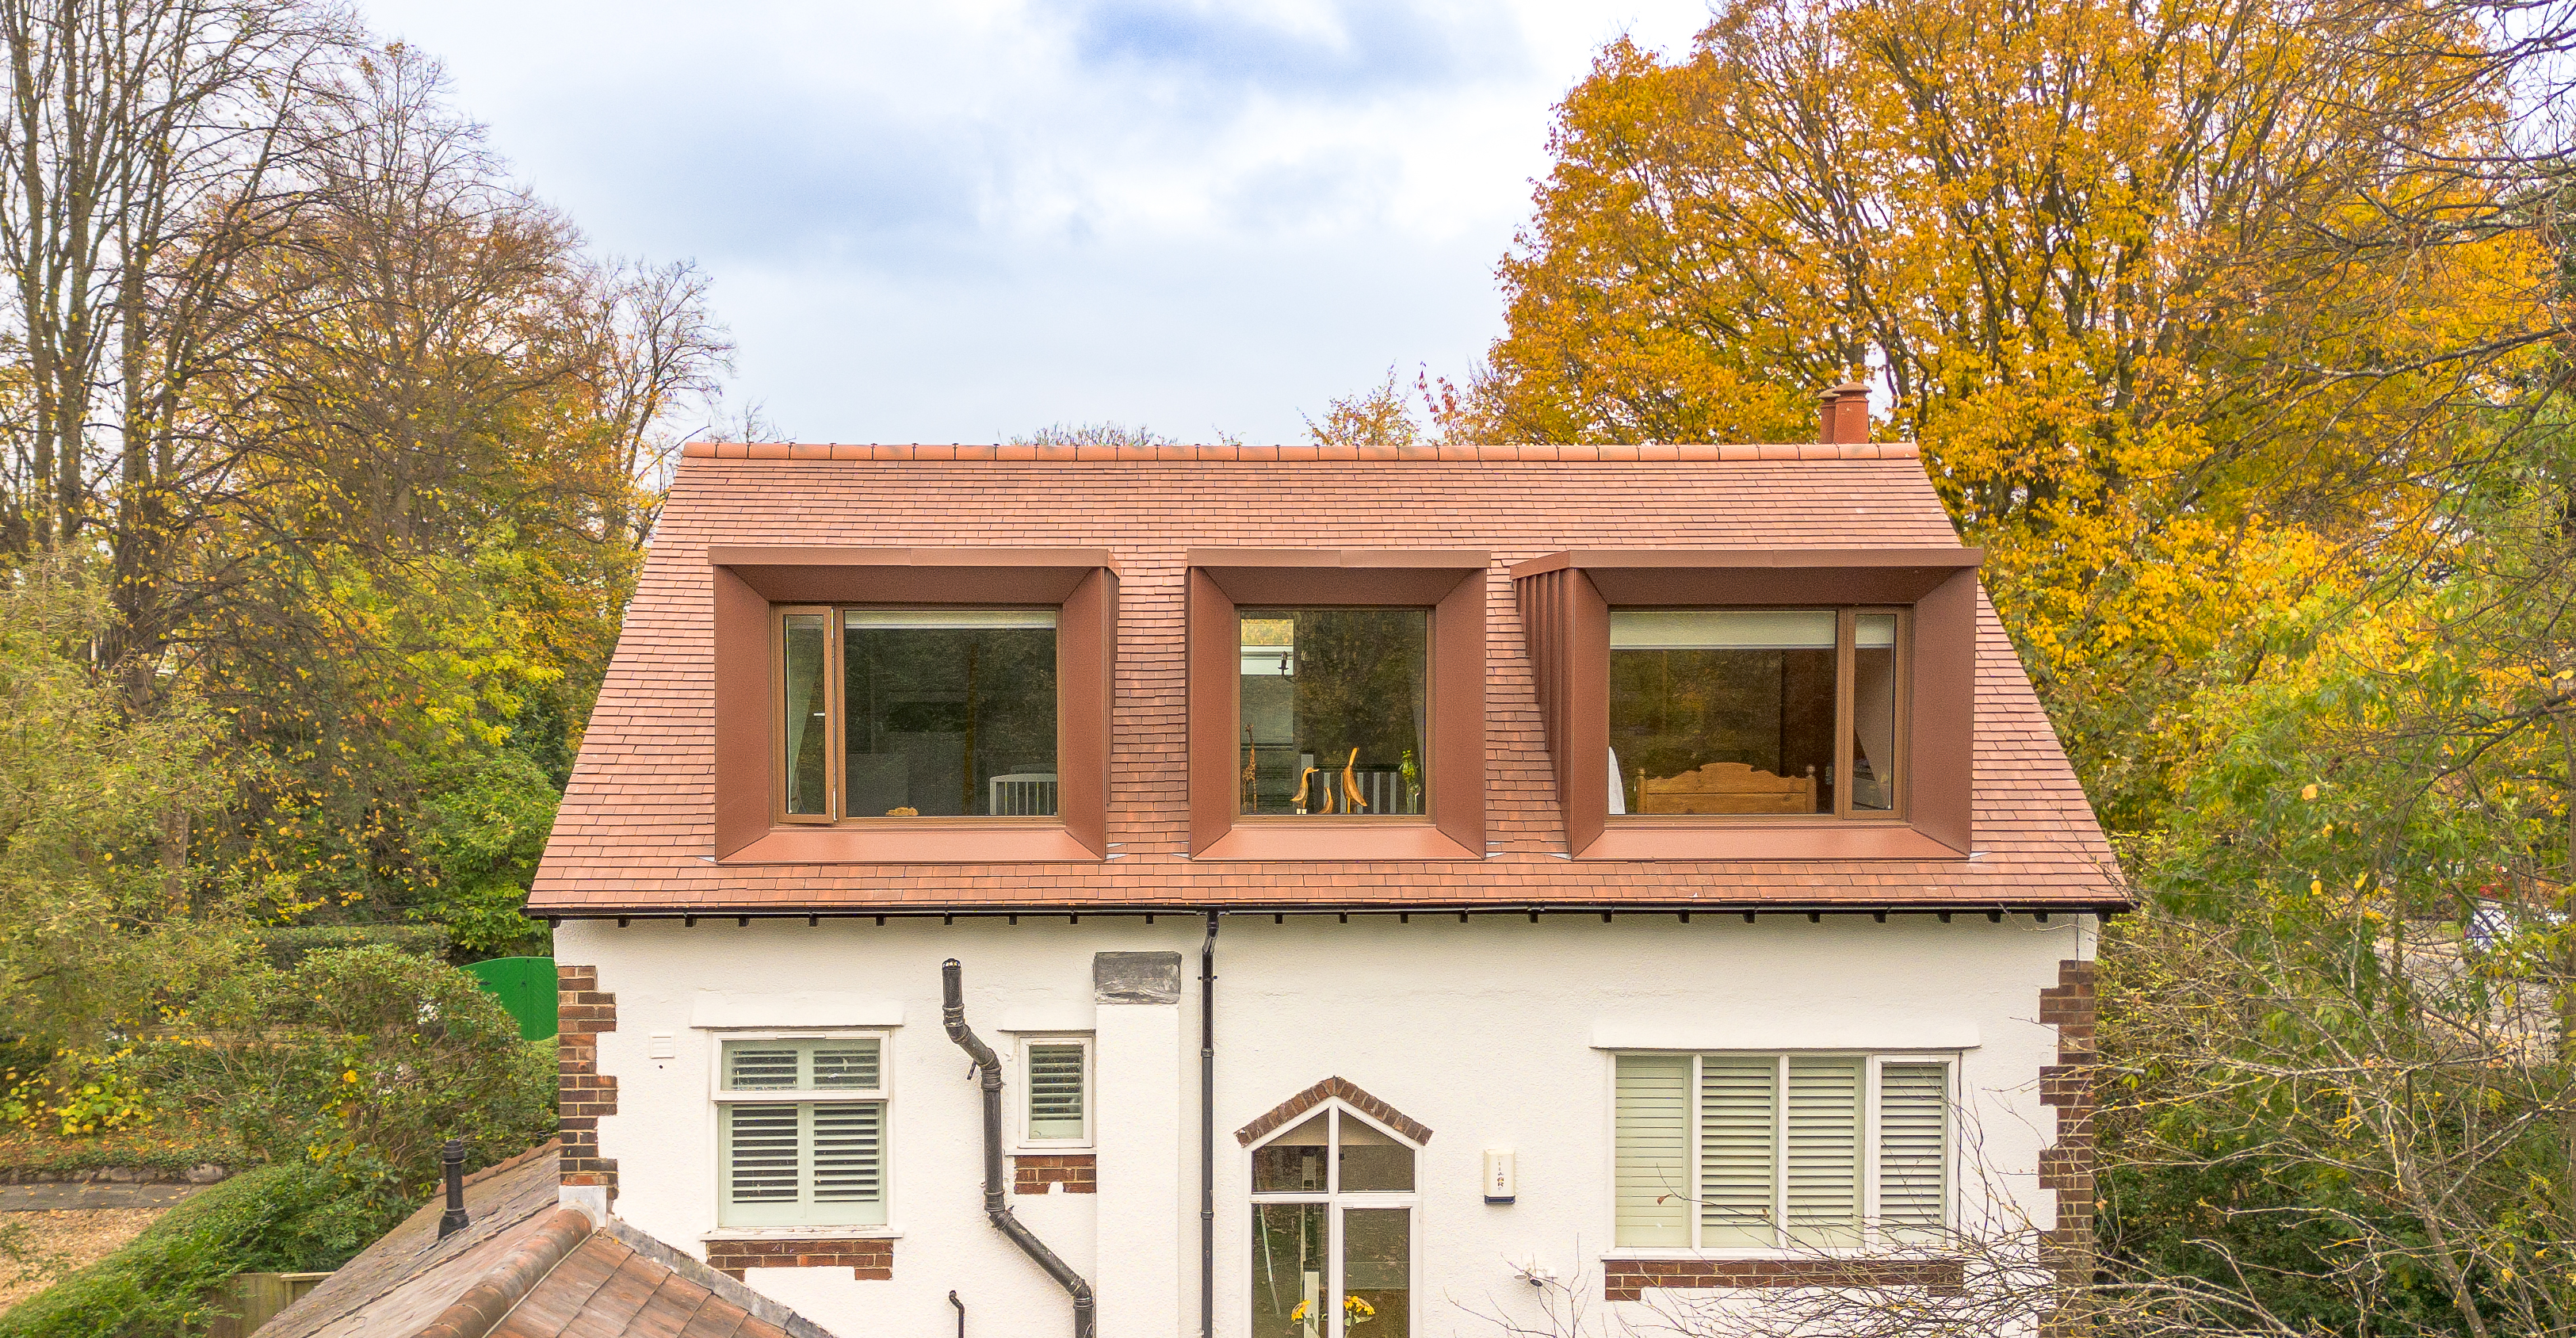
(1451, 583)
(749, 580)
(1565, 601)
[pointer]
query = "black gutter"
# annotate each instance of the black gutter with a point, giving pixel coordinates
(1207, 1130)
(953, 1014)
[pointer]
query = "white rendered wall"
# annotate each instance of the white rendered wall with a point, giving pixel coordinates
(1443, 1020)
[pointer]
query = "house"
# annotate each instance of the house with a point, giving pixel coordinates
(1375, 888)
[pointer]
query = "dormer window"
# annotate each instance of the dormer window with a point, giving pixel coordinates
(917, 713)
(1749, 713)
(1332, 710)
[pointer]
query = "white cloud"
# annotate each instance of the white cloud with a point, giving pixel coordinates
(957, 222)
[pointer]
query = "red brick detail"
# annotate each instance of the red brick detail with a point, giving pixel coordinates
(582, 1092)
(2066, 1168)
(1350, 1093)
(1036, 1173)
(869, 1260)
(1624, 1279)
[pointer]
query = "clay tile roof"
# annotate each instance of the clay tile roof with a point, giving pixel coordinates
(526, 1268)
(635, 830)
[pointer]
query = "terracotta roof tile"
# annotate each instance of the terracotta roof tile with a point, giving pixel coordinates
(635, 826)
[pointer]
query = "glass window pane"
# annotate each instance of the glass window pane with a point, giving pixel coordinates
(1377, 1271)
(952, 712)
(1722, 711)
(808, 730)
(1652, 1139)
(1874, 712)
(1055, 1091)
(1333, 707)
(1293, 1162)
(1372, 1161)
(1288, 1270)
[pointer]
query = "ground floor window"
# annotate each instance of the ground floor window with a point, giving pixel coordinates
(1773, 1151)
(1332, 1230)
(800, 1132)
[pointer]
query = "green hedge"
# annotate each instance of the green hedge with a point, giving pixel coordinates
(277, 1219)
(289, 945)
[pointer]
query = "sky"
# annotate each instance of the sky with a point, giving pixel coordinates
(968, 221)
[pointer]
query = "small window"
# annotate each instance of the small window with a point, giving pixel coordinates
(918, 713)
(1768, 1151)
(801, 1132)
(1059, 1091)
(1333, 711)
(1754, 712)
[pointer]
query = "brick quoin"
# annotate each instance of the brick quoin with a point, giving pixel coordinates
(582, 1093)
(869, 1260)
(2066, 1169)
(1078, 1172)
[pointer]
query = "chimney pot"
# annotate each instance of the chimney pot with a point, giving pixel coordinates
(1844, 416)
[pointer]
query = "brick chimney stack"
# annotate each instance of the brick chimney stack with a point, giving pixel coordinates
(1845, 417)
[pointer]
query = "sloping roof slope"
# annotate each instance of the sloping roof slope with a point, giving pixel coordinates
(635, 830)
(526, 1268)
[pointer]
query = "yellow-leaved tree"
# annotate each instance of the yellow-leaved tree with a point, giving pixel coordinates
(2183, 301)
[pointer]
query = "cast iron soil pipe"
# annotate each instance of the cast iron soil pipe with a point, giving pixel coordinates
(451, 1160)
(1207, 1131)
(953, 1014)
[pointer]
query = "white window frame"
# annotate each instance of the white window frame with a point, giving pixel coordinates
(1874, 1236)
(1020, 1087)
(1335, 1199)
(719, 1097)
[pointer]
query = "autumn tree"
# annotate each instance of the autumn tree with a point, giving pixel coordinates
(2179, 300)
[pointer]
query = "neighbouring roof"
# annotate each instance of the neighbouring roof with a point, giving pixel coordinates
(525, 1267)
(635, 828)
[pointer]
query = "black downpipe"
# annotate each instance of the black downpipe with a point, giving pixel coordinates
(953, 1014)
(1207, 1131)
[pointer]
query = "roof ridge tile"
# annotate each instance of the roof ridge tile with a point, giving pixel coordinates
(1232, 452)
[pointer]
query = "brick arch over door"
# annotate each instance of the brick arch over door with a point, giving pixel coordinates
(1350, 1094)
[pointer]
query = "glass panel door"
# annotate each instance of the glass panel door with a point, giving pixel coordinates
(1377, 1272)
(1289, 1255)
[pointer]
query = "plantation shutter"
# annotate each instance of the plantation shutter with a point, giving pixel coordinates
(1824, 1150)
(762, 1146)
(1651, 1149)
(848, 1163)
(1913, 1146)
(786, 1162)
(1738, 1150)
(1055, 1091)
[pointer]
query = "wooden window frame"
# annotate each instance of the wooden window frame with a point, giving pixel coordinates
(754, 586)
(836, 730)
(1875, 1236)
(1846, 689)
(1336, 1201)
(1452, 585)
(1565, 601)
(720, 1097)
(1025, 1089)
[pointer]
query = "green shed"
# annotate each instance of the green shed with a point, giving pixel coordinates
(525, 986)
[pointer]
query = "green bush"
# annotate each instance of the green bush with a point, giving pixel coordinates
(282, 1219)
(288, 945)
(363, 1061)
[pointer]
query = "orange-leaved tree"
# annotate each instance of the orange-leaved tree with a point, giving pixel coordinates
(2182, 301)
